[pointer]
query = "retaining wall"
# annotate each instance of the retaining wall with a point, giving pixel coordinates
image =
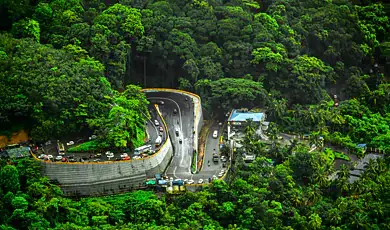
(83, 179)
(103, 178)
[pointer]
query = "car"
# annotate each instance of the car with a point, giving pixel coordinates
(64, 159)
(190, 181)
(200, 181)
(156, 123)
(180, 141)
(161, 129)
(215, 134)
(58, 158)
(161, 102)
(177, 131)
(175, 111)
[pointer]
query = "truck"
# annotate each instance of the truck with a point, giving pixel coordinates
(60, 148)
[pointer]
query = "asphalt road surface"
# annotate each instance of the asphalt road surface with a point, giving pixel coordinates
(183, 121)
(152, 129)
(212, 144)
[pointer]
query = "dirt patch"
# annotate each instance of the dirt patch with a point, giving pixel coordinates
(16, 138)
(204, 132)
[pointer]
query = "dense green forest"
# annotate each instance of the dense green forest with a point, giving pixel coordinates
(73, 65)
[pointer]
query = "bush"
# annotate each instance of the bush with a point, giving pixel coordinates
(194, 163)
(342, 156)
(88, 146)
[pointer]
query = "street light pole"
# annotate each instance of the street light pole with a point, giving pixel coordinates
(144, 71)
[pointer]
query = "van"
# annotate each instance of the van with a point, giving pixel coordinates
(215, 134)
(158, 141)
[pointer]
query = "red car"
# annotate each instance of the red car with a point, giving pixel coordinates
(161, 129)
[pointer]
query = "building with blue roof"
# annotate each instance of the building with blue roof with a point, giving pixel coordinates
(243, 115)
(238, 118)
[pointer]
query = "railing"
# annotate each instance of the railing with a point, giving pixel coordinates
(115, 162)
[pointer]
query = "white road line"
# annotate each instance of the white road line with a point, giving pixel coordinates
(155, 128)
(181, 126)
(174, 172)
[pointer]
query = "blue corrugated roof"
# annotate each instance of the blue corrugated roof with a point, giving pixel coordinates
(239, 116)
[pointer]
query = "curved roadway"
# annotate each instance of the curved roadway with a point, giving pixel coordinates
(183, 120)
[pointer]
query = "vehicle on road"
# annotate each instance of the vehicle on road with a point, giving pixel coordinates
(60, 148)
(200, 181)
(177, 131)
(161, 102)
(215, 156)
(175, 111)
(156, 123)
(190, 181)
(58, 158)
(161, 129)
(142, 149)
(215, 134)
(180, 141)
(158, 141)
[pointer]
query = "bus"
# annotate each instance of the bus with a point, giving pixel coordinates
(142, 149)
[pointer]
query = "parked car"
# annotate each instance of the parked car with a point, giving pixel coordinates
(175, 111)
(215, 134)
(58, 158)
(156, 123)
(177, 131)
(161, 129)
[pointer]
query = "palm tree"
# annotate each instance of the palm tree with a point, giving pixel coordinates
(342, 179)
(359, 220)
(372, 169)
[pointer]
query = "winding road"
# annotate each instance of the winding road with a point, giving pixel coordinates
(183, 121)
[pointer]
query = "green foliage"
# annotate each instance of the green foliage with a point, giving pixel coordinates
(88, 146)
(228, 93)
(27, 28)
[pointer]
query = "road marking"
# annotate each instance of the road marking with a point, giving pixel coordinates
(155, 128)
(174, 172)
(181, 125)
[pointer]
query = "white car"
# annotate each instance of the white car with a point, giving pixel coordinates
(124, 155)
(50, 156)
(215, 134)
(200, 181)
(156, 122)
(58, 158)
(190, 181)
